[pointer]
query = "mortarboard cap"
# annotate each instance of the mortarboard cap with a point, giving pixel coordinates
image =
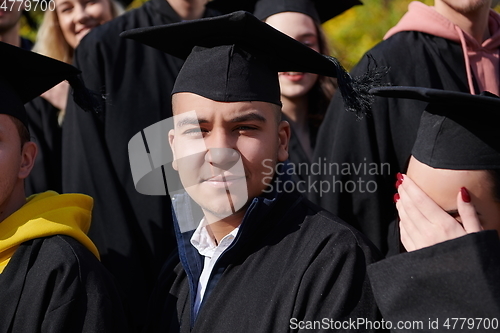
(457, 130)
(236, 57)
(26, 75)
(320, 10)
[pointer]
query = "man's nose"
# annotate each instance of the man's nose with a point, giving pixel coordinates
(222, 158)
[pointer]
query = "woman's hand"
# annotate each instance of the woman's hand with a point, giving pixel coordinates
(423, 223)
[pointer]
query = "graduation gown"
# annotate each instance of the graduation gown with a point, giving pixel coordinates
(132, 231)
(47, 134)
(54, 284)
(368, 153)
(297, 155)
(459, 278)
(289, 260)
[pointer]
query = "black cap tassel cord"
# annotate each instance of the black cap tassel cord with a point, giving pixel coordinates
(86, 99)
(355, 91)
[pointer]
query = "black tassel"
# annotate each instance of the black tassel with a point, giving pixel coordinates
(355, 91)
(88, 100)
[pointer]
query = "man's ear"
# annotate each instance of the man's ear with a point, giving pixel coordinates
(28, 156)
(171, 137)
(284, 138)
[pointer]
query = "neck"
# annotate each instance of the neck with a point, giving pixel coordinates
(218, 229)
(11, 36)
(16, 200)
(188, 9)
(474, 22)
(296, 110)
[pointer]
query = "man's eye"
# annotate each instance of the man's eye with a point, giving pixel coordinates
(245, 128)
(194, 131)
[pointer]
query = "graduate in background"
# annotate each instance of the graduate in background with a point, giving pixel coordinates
(450, 194)
(58, 36)
(305, 96)
(252, 257)
(51, 279)
(10, 25)
(454, 45)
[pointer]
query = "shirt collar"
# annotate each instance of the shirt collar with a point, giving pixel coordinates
(205, 244)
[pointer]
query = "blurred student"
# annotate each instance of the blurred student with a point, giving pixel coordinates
(51, 279)
(58, 36)
(449, 208)
(305, 96)
(10, 18)
(454, 46)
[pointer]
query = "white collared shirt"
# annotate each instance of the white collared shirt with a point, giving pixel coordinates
(206, 246)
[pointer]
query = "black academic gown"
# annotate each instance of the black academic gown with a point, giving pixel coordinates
(46, 133)
(459, 278)
(54, 284)
(289, 260)
(378, 146)
(132, 231)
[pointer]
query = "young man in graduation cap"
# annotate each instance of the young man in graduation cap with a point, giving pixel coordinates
(51, 279)
(451, 192)
(250, 258)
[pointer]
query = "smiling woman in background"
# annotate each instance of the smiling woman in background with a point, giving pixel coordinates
(60, 33)
(305, 96)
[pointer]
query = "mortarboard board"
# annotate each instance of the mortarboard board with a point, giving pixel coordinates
(457, 130)
(26, 75)
(236, 57)
(320, 10)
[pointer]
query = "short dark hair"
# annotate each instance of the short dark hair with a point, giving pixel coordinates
(24, 134)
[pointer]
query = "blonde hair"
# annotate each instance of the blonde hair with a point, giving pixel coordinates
(50, 40)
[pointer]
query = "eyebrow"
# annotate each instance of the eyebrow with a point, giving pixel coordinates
(248, 117)
(191, 121)
(239, 119)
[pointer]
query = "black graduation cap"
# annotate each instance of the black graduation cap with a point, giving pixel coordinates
(320, 10)
(26, 75)
(457, 130)
(236, 57)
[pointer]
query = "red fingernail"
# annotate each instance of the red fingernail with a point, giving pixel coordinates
(399, 176)
(398, 183)
(465, 194)
(396, 197)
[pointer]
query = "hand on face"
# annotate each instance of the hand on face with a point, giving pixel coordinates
(423, 223)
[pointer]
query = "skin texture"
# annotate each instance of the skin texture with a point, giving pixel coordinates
(15, 166)
(78, 17)
(230, 140)
(9, 24)
(188, 9)
(470, 15)
(432, 209)
(296, 85)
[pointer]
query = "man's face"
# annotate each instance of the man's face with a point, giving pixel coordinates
(9, 19)
(465, 6)
(443, 185)
(11, 159)
(220, 150)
